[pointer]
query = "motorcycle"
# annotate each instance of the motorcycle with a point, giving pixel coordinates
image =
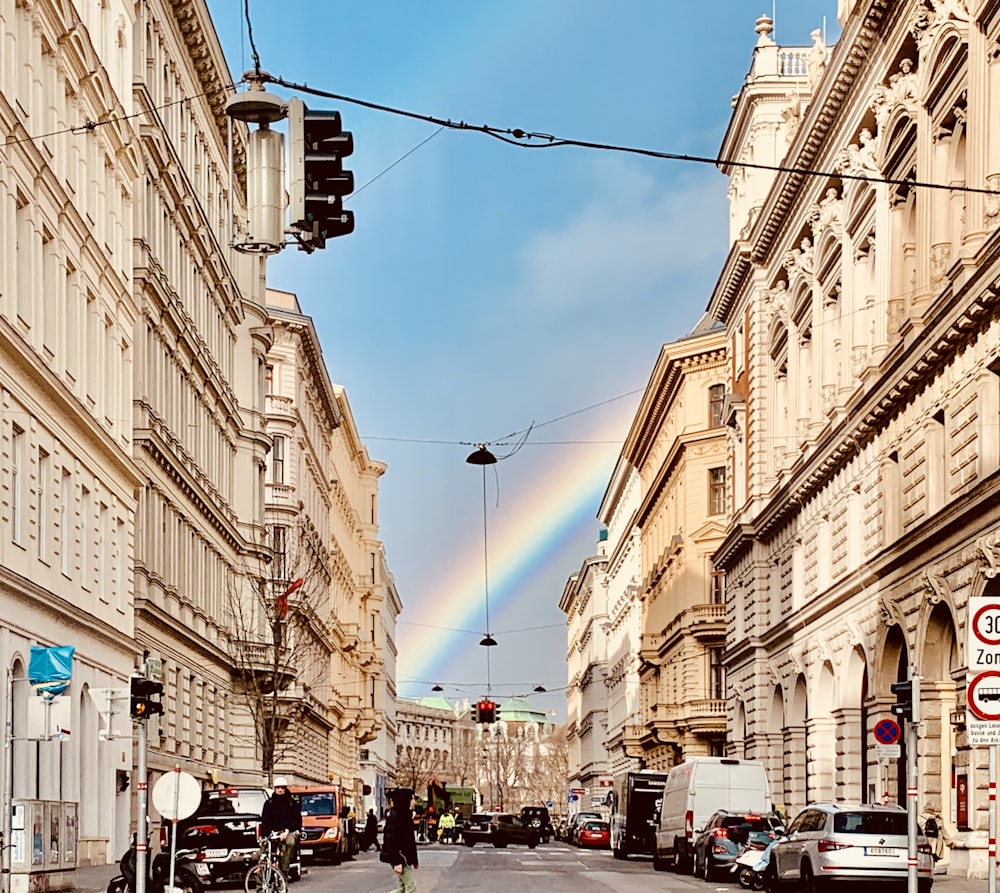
(751, 865)
(158, 873)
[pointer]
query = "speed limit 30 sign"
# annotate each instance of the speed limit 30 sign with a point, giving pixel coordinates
(984, 633)
(983, 687)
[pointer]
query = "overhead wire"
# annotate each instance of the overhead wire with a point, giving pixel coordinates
(517, 137)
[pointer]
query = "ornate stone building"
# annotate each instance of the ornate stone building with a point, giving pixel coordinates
(624, 622)
(321, 521)
(585, 603)
(678, 447)
(860, 308)
(137, 424)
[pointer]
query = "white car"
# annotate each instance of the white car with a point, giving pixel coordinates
(833, 844)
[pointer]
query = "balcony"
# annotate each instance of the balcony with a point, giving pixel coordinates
(259, 666)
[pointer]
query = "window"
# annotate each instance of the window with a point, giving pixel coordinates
(42, 510)
(269, 379)
(716, 396)
(279, 545)
(717, 491)
(716, 674)
(65, 510)
(718, 583)
(278, 460)
(17, 476)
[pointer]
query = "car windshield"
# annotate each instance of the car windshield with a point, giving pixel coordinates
(481, 817)
(232, 801)
(870, 823)
(317, 804)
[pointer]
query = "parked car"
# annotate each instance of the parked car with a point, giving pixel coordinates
(727, 834)
(224, 828)
(844, 842)
(506, 828)
(478, 829)
(574, 821)
(538, 818)
(593, 833)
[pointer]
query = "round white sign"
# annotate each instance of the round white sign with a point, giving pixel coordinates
(176, 795)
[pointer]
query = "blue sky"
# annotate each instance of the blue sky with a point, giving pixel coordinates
(488, 287)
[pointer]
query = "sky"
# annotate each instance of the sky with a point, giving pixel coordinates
(490, 290)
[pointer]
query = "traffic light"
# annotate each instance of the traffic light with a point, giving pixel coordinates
(141, 697)
(317, 181)
(487, 712)
(907, 704)
(474, 712)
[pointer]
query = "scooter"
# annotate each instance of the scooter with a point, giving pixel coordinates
(751, 865)
(158, 868)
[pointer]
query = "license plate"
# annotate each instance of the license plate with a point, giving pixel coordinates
(307, 852)
(201, 868)
(881, 851)
(216, 854)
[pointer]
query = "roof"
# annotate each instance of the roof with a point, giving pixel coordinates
(520, 710)
(437, 702)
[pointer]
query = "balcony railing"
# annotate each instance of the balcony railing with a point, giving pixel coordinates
(270, 670)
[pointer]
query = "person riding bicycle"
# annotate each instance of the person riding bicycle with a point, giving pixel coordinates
(282, 813)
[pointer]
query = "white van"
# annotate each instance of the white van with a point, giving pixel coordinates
(697, 788)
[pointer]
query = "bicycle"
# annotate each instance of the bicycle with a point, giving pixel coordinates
(266, 876)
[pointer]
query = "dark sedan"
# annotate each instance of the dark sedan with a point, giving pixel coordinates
(725, 836)
(478, 828)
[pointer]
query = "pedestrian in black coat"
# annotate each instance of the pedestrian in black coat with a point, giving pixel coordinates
(399, 844)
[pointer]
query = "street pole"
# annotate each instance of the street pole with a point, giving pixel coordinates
(142, 789)
(992, 846)
(912, 736)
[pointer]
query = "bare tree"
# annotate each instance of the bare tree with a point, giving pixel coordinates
(278, 642)
(415, 766)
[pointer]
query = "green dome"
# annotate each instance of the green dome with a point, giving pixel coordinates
(520, 710)
(437, 702)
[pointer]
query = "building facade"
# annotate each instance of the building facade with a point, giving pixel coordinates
(678, 447)
(584, 601)
(859, 304)
(618, 513)
(139, 499)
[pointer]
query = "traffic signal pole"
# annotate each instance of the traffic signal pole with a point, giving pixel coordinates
(912, 736)
(141, 835)
(992, 846)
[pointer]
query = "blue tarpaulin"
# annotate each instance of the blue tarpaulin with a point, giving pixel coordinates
(50, 669)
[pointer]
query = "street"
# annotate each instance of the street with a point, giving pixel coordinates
(557, 867)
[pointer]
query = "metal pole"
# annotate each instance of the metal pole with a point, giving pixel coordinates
(992, 847)
(173, 825)
(141, 835)
(8, 778)
(912, 735)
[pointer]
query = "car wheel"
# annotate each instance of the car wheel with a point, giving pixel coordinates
(706, 869)
(678, 864)
(470, 843)
(771, 883)
(658, 863)
(808, 882)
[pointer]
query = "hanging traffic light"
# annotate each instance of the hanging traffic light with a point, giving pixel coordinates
(907, 704)
(144, 697)
(317, 144)
(487, 711)
(474, 712)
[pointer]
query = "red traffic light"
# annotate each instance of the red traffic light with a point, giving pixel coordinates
(487, 711)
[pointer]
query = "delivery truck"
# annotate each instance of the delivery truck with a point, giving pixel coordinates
(636, 814)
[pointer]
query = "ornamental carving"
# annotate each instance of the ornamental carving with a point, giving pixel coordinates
(901, 90)
(989, 547)
(799, 259)
(937, 586)
(859, 159)
(931, 15)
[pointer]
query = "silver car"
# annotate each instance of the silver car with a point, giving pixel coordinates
(834, 843)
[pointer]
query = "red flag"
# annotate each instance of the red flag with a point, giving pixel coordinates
(282, 605)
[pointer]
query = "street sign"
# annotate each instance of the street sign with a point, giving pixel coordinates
(578, 791)
(983, 695)
(886, 731)
(176, 795)
(983, 639)
(886, 752)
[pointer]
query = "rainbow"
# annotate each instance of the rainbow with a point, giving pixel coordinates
(522, 544)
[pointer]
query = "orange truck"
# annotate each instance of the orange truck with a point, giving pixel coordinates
(326, 828)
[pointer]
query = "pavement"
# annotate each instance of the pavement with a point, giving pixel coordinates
(95, 878)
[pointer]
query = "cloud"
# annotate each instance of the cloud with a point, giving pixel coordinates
(633, 233)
